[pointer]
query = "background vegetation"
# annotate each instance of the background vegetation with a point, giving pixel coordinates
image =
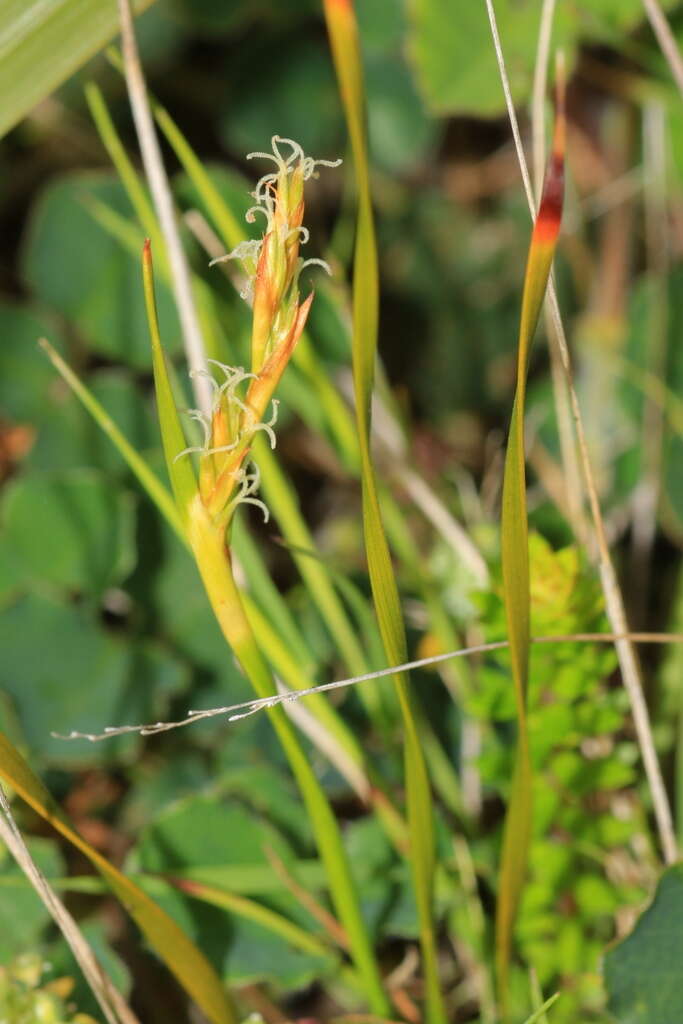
(104, 619)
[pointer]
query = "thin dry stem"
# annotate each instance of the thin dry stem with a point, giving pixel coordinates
(237, 712)
(666, 39)
(614, 604)
(163, 204)
(110, 1000)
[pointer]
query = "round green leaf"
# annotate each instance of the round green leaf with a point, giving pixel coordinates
(643, 973)
(73, 531)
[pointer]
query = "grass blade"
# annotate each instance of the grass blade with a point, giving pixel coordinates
(343, 32)
(180, 471)
(42, 42)
(149, 480)
(538, 1015)
(515, 554)
(181, 955)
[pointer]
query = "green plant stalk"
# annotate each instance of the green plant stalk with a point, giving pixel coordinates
(344, 41)
(279, 494)
(515, 559)
(539, 1015)
(290, 668)
(267, 595)
(208, 545)
(282, 500)
(207, 540)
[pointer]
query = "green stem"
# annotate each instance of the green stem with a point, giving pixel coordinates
(208, 544)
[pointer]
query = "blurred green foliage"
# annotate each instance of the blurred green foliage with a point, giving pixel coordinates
(104, 620)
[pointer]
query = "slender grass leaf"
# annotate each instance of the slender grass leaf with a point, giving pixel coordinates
(539, 1015)
(42, 42)
(180, 470)
(515, 555)
(208, 544)
(242, 906)
(343, 32)
(130, 178)
(187, 963)
(149, 480)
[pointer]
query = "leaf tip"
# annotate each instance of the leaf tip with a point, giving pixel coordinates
(549, 216)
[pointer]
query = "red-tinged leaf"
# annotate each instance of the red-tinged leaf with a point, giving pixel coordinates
(515, 554)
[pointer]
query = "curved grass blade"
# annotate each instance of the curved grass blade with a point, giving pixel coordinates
(130, 179)
(190, 967)
(343, 33)
(515, 552)
(42, 43)
(251, 910)
(538, 1016)
(149, 480)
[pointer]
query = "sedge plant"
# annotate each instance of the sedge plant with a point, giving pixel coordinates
(226, 478)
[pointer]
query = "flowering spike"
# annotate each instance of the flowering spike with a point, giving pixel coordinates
(273, 267)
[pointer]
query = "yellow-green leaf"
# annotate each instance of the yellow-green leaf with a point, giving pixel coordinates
(343, 33)
(190, 966)
(515, 555)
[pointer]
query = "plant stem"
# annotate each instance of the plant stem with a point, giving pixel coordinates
(208, 544)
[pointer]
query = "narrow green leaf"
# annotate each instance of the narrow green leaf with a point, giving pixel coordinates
(130, 179)
(149, 480)
(180, 471)
(283, 502)
(42, 42)
(538, 1015)
(181, 955)
(208, 545)
(515, 557)
(230, 231)
(249, 909)
(343, 32)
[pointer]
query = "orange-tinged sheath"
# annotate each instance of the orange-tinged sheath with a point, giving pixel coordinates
(547, 226)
